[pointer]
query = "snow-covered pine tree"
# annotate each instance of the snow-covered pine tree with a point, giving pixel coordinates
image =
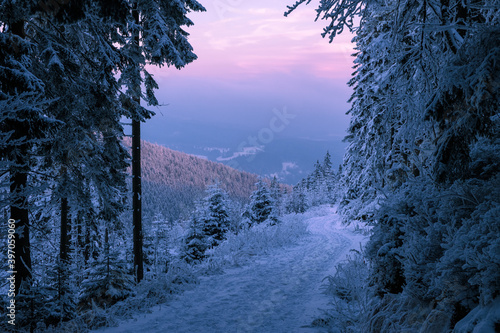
(22, 122)
(330, 179)
(276, 195)
(214, 215)
(297, 200)
(425, 99)
(318, 187)
(261, 205)
(315, 185)
(107, 280)
(195, 240)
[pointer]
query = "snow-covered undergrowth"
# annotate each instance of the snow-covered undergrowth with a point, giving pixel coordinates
(354, 307)
(349, 295)
(357, 306)
(237, 250)
(261, 239)
(482, 319)
(148, 293)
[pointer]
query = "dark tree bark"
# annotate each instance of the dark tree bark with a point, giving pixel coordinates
(65, 229)
(136, 183)
(136, 199)
(19, 213)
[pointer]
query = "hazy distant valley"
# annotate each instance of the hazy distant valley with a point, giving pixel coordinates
(259, 151)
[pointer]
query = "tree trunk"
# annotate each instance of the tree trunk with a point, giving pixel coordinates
(136, 182)
(136, 203)
(19, 213)
(106, 252)
(65, 229)
(63, 270)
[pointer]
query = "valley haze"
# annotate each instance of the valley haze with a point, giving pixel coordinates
(286, 156)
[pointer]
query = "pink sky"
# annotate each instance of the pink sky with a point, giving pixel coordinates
(251, 60)
(237, 39)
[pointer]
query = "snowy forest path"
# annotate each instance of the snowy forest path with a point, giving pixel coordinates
(278, 292)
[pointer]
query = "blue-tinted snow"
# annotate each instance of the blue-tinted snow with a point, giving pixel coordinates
(275, 292)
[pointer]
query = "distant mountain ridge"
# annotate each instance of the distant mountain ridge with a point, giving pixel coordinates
(173, 181)
(178, 169)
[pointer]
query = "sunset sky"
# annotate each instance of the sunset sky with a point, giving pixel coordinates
(251, 60)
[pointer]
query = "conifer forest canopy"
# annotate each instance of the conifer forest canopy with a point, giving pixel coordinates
(420, 172)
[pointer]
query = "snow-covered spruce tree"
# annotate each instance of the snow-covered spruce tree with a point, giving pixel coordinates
(315, 185)
(22, 122)
(37, 304)
(372, 125)
(425, 102)
(52, 63)
(318, 187)
(235, 207)
(155, 246)
(87, 156)
(59, 300)
(326, 165)
(321, 182)
(195, 240)
(261, 205)
(214, 216)
(276, 194)
(297, 200)
(330, 179)
(107, 280)
(84, 155)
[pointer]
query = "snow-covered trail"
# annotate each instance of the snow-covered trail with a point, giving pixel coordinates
(279, 292)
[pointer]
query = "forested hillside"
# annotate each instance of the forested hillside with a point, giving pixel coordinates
(173, 181)
(162, 165)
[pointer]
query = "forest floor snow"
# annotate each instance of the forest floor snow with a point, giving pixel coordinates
(279, 291)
